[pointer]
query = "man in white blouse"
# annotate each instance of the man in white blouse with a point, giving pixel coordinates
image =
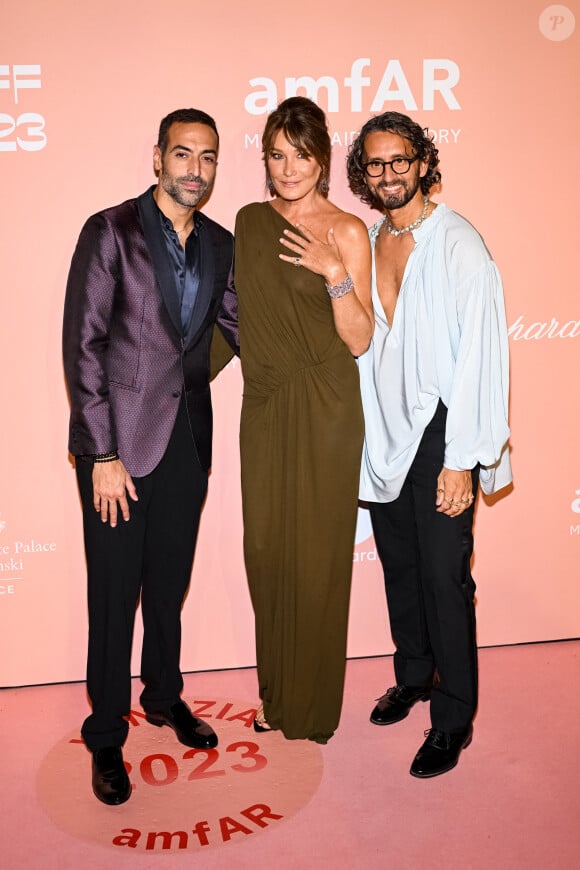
(435, 396)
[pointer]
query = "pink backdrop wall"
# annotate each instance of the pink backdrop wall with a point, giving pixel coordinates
(82, 90)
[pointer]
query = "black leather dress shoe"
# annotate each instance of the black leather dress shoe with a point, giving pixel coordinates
(440, 752)
(110, 781)
(190, 730)
(396, 703)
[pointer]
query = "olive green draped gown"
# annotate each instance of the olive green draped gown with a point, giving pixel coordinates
(301, 440)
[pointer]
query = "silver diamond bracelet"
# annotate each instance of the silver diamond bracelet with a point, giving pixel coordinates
(335, 291)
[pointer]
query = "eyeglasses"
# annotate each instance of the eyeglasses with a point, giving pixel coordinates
(400, 165)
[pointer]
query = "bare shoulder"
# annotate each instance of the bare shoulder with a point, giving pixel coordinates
(349, 228)
(347, 223)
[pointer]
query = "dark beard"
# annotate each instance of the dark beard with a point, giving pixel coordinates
(393, 201)
(189, 199)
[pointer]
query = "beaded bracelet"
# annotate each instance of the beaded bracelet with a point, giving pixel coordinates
(112, 456)
(335, 291)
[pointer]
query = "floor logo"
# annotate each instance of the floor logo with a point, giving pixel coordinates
(185, 800)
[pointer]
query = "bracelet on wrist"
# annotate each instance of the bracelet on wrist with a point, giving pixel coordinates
(112, 456)
(335, 291)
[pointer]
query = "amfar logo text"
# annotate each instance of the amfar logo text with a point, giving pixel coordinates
(440, 76)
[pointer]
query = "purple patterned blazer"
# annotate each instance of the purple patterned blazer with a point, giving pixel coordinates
(125, 359)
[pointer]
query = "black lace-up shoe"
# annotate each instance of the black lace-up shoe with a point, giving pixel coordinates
(396, 703)
(440, 752)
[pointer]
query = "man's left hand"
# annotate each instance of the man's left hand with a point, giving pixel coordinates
(454, 492)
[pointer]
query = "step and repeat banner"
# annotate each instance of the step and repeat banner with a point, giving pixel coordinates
(82, 91)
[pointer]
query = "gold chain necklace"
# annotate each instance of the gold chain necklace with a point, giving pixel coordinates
(183, 229)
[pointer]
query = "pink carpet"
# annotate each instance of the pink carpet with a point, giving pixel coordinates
(259, 801)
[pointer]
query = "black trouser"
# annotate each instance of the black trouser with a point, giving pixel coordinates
(426, 560)
(151, 555)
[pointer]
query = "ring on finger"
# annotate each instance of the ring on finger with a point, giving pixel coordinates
(297, 261)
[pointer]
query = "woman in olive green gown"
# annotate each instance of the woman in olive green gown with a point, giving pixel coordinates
(302, 274)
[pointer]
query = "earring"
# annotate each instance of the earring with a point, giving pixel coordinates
(271, 187)
(324, 185)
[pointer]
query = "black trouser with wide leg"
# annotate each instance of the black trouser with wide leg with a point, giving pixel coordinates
(426, 560)
(150, 555)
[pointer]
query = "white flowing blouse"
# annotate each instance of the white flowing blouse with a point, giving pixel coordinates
(448, 341)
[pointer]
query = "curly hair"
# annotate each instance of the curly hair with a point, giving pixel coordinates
(402, 125)
(304, 125)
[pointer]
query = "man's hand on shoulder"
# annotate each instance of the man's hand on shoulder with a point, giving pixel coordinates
(111, 483)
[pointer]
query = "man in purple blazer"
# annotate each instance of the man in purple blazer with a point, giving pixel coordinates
(148, 280)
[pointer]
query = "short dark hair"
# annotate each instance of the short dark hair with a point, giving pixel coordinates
(402, 125)
(183, 116)
(304, 125)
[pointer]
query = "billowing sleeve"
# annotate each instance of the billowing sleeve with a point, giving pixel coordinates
(89, 303)
(477, 421)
